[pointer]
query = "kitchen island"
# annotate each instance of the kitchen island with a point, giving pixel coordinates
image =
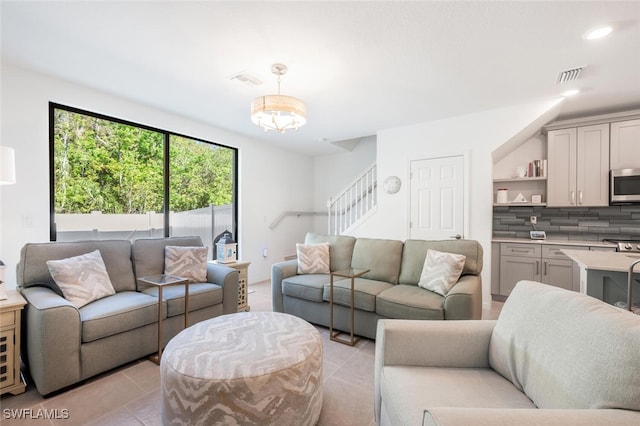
(605, 275)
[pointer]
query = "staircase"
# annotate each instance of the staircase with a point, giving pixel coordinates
(353, 205)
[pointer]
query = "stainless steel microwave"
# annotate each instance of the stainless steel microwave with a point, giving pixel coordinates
(625, 186)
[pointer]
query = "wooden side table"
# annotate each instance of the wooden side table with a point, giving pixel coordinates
(11, 379)
(351, 274)
(243, 282)
(161, 281)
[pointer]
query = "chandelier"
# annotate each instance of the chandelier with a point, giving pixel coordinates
(278, 112)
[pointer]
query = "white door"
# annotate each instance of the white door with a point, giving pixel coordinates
(437, 198)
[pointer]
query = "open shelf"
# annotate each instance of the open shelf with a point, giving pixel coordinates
(523, 179)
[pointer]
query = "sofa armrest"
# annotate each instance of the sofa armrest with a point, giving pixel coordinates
(52, 338)
(279, 272)
(227, 278)
(455, 344)
(455, 416)
(464, 300)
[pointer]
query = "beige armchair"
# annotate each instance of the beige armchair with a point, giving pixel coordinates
(554, 357)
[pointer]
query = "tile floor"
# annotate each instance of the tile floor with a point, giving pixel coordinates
(130, 395)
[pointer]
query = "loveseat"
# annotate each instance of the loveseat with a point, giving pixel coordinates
(389, 290)
(64, 344)
(553, 357)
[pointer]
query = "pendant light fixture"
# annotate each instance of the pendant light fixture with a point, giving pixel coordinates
(278, 112)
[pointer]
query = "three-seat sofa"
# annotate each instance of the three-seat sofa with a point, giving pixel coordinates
(389, 290)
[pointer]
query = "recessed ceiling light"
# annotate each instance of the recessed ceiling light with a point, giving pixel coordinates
(598, 33)
(571, 92)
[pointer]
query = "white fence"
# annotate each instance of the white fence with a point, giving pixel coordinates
(207, 223)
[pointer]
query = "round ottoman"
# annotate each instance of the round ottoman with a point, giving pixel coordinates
(262, 368)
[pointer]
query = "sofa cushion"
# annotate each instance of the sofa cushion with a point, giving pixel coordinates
(410, 302)
(307, 287)
(381, 257)
(116, 254)
(415, 252)
(115, 314)
(407, 391)
(82, 279)
(364, 292)
(201, 295)
(567, 350)
(313, 258)
(148, 254)
(340, 248)
(441, 271)
(186, 262)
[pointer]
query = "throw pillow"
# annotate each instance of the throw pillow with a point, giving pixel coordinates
(313, 258)
(82, 279)
(186, 262)
(441, 271)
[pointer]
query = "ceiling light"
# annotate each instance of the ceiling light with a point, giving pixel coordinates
(278, 112)
(571, 92)
(598, 33)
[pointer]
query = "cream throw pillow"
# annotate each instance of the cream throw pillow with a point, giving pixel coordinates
(186, 262)
(441, 271)
(82, 279)
(313, 258)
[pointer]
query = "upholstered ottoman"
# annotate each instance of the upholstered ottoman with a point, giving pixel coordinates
(262, 368)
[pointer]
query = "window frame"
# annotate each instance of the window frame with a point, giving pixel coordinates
(166, 165)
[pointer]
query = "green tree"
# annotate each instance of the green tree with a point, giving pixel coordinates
(117, 168)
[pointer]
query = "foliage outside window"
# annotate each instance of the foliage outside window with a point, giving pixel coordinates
(116, 179)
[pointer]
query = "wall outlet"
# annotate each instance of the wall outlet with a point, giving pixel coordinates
(533, 220)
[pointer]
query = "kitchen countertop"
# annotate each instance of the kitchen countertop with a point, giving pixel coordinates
(603, 260)
(551, 241)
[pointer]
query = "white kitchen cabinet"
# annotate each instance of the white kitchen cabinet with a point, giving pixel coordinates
(625, 144)
(578, 166)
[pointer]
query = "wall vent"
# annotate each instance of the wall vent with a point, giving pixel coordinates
(246, 78)
(570, 74)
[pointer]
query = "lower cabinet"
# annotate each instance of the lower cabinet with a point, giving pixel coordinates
(536, 262)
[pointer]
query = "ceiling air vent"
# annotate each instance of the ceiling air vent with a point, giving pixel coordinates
(246, 78)
(570, 74)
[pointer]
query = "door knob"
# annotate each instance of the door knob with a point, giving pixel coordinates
(457, 236)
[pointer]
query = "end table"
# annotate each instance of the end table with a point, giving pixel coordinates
(161, 281)
(351, 274)
(243, 282)
(11, 379)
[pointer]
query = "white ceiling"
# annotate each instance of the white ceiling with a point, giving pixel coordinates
(359, 66)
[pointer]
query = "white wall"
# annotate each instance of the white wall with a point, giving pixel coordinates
(475, 135)
(270, 179)
(334, 172)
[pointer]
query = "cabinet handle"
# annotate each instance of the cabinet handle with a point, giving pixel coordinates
(545, 268)
(520, 250)
(573, 197)
(580, 196)
(537, 267)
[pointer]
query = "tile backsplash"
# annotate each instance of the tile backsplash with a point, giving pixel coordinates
(587, 223)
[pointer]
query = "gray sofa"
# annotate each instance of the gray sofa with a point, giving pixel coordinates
(553, 357)
(389, 290)
(65, 345)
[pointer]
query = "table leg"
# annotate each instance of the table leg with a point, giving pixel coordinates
(331, 336)
(352, 312)
(156, 358)
(186, 305)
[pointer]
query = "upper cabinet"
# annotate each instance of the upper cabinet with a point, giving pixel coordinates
(578, 166)
(625, 144)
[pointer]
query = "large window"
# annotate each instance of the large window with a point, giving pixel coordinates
(116, 179)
